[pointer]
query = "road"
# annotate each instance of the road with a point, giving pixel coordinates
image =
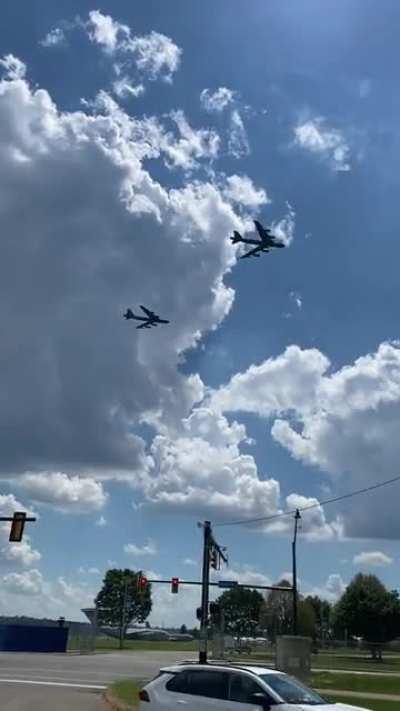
(85, 669)
(45, 682)
(18, 697)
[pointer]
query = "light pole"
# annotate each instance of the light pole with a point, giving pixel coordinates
(297, 518)
(205, 579)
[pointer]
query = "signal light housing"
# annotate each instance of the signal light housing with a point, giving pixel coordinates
(142, 582)
(17, 527)
(215, 559)
(175, 585)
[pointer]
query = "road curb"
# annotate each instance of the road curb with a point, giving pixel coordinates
(115, 704)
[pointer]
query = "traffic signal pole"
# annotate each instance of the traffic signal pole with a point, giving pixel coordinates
(297, 517)
(205, 580)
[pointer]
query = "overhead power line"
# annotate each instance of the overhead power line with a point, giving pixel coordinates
(244, 521)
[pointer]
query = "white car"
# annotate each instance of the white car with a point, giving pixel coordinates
(215, 687)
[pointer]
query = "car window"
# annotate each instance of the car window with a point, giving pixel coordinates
(212, 684)
(242, 687)
(291, 690)
(178, 683)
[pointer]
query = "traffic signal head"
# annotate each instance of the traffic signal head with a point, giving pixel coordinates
(215, 559)
(214, 609)
(17, 527)
(175, 585)
(198, 613)
(142, 582)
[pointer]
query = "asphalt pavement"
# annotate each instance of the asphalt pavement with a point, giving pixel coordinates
(28, 697)
(54, 682)
(71, 682)
(85, 669)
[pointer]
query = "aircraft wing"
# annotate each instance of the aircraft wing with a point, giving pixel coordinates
(148, 313)
(253, 252)
(144, 325)
(264, 233)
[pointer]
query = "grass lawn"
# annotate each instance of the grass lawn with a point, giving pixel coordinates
(356, 662)
(348, 682)
(127, 691)
(366, 703)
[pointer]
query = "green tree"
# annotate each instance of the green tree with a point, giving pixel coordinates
(242, 609)
(306, 618)
(367, 609)
(183, 629)
(323, 613)
(277, 614)
(120, 602)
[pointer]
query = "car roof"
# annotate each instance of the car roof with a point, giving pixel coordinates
(258, 670)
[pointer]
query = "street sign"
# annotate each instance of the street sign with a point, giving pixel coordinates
(227, 583)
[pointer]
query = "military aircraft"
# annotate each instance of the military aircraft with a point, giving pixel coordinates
(266, 242)
(149, 320)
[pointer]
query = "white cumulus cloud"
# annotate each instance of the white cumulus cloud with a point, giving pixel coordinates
(14, 68)
(80, 405)
(66, 493)
(55, 38)
(331, 590)
(373, 559)
(343, 422)
(153, 55)
(238, 143)
(217, 101)
(28, 583)
(241, 189)
(156, 55)
(148, 548)
(107, 32)
(329, 143)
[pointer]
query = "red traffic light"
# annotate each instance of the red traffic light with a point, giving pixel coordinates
(174, 585)
(142, 582)
(17, 527)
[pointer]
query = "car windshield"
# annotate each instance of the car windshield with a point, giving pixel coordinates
(292, 691)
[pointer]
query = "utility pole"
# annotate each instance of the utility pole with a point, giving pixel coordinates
(205, 579)
(123, 620)
(297, 518)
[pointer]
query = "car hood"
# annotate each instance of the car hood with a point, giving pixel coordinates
(330, 707)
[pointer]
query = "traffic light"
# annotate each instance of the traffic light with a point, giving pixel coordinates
(175, 585)
(142, 582)
(17, 527)
(215, 612)
(215, 559)
(199, 613)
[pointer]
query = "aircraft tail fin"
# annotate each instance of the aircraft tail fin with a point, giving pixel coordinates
(237, 237)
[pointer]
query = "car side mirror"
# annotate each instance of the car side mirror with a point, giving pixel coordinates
(261, 701)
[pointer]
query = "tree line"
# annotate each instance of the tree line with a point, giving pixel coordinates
(366, 610)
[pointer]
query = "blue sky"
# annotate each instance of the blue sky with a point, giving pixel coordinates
(136, 137)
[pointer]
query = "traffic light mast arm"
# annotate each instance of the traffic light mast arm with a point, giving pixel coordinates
(11, 518)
